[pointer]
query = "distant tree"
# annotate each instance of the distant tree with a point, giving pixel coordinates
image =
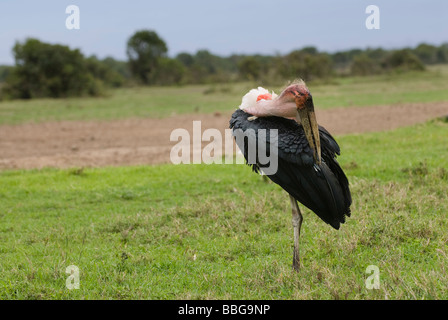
(340, 58)
(319, 66)
(4, 72)
(186, 59)
(196, 74)
(345, 58)
(300, 64)
(207, 60)
(442, 53)
(205, 67)
(310, 50)
(426, 53)
(169, 71)
(363, 65)
(402, 60)
(292, 65)
(374, 54)
(249, 68)
(144, 50)
(100, 70)
(122, 67)
(47, 70)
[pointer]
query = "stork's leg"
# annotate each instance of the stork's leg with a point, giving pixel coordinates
(297, 224)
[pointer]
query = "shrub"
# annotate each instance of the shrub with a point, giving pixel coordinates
(46, 70)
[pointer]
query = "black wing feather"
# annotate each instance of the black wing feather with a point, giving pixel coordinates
(322, 188)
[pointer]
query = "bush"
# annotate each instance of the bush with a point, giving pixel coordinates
(4, 72)
(100, 70)
(364, 66)
(249, 68)
(302, 64)
(402, 60)
(427, 53)
(169, 71)
(46, 70)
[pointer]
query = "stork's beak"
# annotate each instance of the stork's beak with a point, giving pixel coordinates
(309, 123)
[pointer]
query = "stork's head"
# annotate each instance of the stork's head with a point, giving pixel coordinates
(295, 102)
(259, 102)
(298, 94)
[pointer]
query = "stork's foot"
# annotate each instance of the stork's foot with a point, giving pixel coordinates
(295, 261)
(297, 224)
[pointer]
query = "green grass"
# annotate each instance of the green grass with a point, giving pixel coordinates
(413, 87)
(429, 86)
(220, 232)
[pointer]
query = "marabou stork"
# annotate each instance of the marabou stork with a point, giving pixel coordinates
(307, 168)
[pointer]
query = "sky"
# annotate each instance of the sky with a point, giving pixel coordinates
(224, 27)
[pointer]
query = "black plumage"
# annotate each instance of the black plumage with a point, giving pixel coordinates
(323, 188)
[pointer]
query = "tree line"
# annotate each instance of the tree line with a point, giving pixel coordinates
(52, 70)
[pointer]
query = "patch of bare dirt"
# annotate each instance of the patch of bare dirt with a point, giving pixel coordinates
(147, 141)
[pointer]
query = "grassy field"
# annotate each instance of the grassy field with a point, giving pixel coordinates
(428, 86)
(220, 231)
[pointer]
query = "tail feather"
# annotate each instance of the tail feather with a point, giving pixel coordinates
(317, 188)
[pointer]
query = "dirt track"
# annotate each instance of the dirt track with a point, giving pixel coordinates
(147, 141)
